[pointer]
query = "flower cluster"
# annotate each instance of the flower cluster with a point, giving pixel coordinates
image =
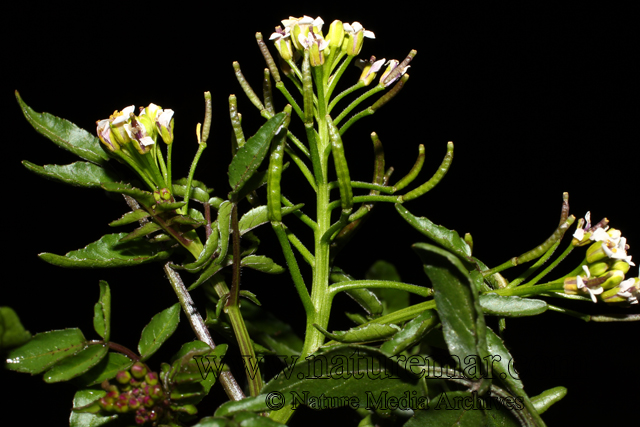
(605, 266)
(132, 139)
(137, 390)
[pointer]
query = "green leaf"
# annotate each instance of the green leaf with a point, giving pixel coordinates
(106, 369)
(511, 306)
(250, 155)
(199, 192)
(262, 263)
(12, 333)
(367, 299)
(392, 299)
(448, 239)
(143, 197)
(544, 400)
(502, 365)
(456, 300)
(207, 252)
(102, 312)
(65, 134)
(130, 217)
(446, 410)
(83, 419)
(77, 364)
(108, 252)
(44, 350)
(271, 332)
(78, 174)
(258, 216)
(142, 231)
(362, 334)
(161, 327)
(364, 374)
(412, 332)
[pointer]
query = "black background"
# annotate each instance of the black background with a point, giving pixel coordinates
(538, 102)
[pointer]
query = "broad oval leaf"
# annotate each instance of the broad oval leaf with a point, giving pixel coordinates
(108, 252)
(83, 419)
(77, 364)
(262, 263)
(252, 153)
(106, 369)
(78, 174)
(45, 349)
(456, 300)
(65, 134)
(511, 306)
(12, 333)
(161, 327)
(448, 239)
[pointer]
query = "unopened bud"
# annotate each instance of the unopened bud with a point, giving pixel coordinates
(613, 278)
(123, 377)
(138, 370)
(336, 34)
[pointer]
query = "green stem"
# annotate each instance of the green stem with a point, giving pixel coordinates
(363, 284)
(196, 159)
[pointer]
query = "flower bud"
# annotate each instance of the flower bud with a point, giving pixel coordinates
(595, 253)
(336, 34)
(627, 292)
(138, 370)
(613, 278)
(120, 124)
(355, 34)
(369, 69)
(140, 135)
(151, 378)
(620, 265)
(106, 137)
(164, 126)
(123, 377)
(598, 268)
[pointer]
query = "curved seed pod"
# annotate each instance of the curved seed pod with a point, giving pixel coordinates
(274, 173)
(413, 173)
(365, 297)
(342, 169)
(246, 87)
(361, 334)
(412, 332)
(538, 251)
(435, 179)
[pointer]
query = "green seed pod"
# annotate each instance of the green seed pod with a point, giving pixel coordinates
(342, 169)
(435, 179)
(274, 173)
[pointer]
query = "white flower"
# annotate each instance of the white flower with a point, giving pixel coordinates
(355, 28)
(581, 285)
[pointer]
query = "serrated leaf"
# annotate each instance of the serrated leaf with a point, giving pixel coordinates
(258, 216)
(143, 197)
(44, 350)
(262, 263)
(108, 252)
(511, 306)
(344, 370)
(102, 312)
(362, 334)
(502, 364)
(161, 327)
(82, 399)
(392, 299)
(78, 174)
(106, 369)
(446, 411)
(130, 217)
(249, 157)
(77, 364)
(456, 300)
(448, 239)
(65, 134)
(12, 333)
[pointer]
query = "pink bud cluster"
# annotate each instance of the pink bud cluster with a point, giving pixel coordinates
(136, 390)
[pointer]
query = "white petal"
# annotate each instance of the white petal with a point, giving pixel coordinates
(165, 118)
(146, 141)
(369, 34)
(305, 20)
(600, 235)
(586, 270)
(346, 27)
(579, 234)
(357, 26)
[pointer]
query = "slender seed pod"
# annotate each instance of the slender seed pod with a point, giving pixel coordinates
(564, 214)
(435, 179)
(236, 121)
(307, 89)
(274, 173)
(541, 249)
(342, 169)
(246, 87)
(206, 127)
(413, 173)
(268, 58)
(267, 92)
(389, 95)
